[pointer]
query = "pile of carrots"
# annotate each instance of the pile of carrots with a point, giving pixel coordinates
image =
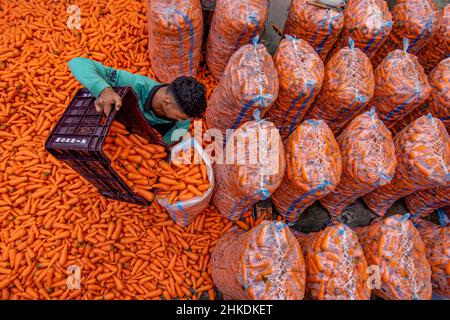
(134, 159)
(50, 217)
(184, 179)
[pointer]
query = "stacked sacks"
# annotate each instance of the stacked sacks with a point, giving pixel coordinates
(437, 49)
(317, 26)
(423, 161)
(347, 88)
(253, 168)
(234, 24)
(175, 30)
(336, 268)
(250, 82)
(414, 20)
(265, 263)
(395, 247)
(401, 85)
(368, 161)
(368, 23)
(300, 73)
(313, 169)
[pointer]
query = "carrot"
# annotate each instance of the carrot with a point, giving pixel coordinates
(168, 181)
(194, 190)
(104, 276)
(166, 167)
(242, 225)
(145, 194)
(17, 235)
(186, 196)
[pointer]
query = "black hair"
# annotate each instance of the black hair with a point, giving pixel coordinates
(189, 95)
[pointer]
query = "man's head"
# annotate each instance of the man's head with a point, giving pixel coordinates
(184, 98)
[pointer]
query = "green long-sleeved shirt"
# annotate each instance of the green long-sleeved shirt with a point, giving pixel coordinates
(96, 77)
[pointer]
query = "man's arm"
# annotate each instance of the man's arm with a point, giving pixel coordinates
(93, 75)
(99, 79)
(96, 77)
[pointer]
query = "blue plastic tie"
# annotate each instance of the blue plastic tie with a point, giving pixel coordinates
(351, 43)
(405, 44)
(443, 219)
(405, 217)
(257, 115)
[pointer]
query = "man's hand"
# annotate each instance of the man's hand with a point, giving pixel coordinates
(106, 100)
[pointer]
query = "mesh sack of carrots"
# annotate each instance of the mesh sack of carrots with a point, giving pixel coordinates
(250, 82)
(368, 23)
(264, 263)
(313, 169)
(437, 48)
(318, 26)
(175, 30)
(300, 74)
(437, 247)
(186, 188)
(368, 161)
(347, 88)
(423, 202)
(394, 245)
(253, 169)
(134, 159)
(414, 20)
(336, 268)
(401, 85)
(439, 100)
(234, 24)
(423, 161)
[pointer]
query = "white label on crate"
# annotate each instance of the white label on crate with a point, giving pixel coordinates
(71, 140)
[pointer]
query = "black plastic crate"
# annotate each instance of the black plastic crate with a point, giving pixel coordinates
(78, 138)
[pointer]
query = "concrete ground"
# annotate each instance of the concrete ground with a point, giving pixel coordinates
(357, 214)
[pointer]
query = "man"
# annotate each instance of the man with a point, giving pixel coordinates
(163, 105)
